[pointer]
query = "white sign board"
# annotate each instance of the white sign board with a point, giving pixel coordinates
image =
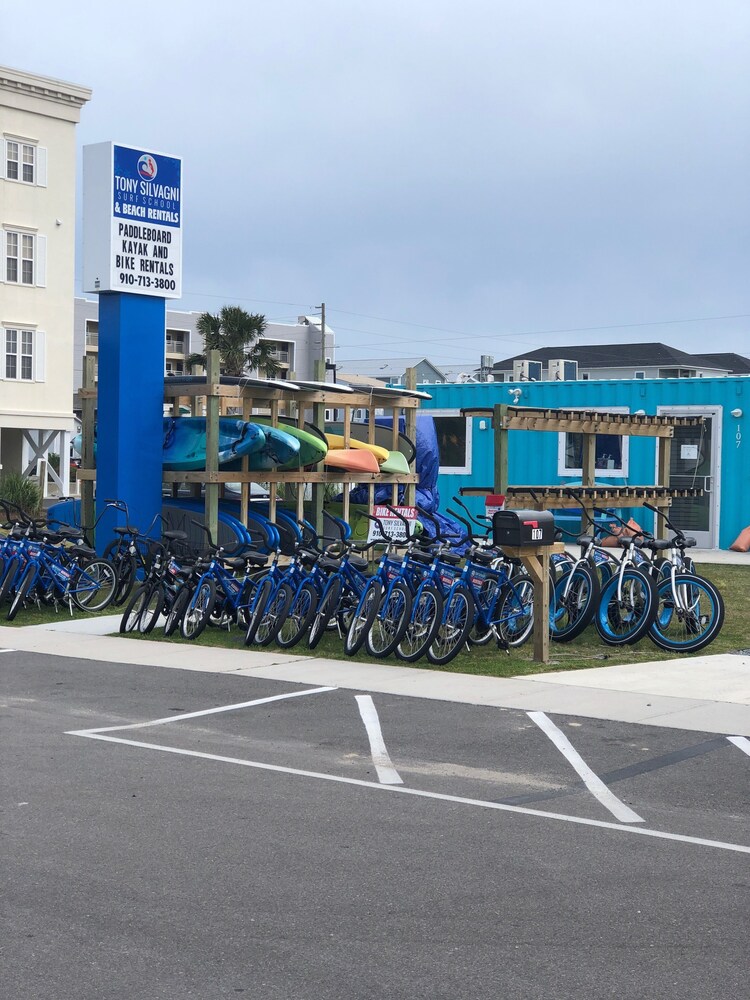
(132, 221)
(689, 452)
(394, 526)
(492, 503)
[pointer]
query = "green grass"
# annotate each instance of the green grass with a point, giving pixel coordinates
(585, 651)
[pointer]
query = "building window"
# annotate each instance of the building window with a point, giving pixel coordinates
(454, 442)
(584, 376)
(19, 258)
(19, 355)
(611, 458)
(92, 333)
(640, 374)
(176, 342)
(174, 367)
(20, 161)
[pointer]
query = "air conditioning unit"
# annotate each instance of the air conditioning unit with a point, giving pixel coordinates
(561, 370)
(527, 371)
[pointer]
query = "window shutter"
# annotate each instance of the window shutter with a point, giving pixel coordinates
(3, 247)
(39, 355)
(41, 166)
(40, 264)
(3, 152)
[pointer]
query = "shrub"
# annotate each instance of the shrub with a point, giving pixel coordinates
(21, 491)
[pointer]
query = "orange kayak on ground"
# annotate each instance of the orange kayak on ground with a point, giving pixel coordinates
(352, 460)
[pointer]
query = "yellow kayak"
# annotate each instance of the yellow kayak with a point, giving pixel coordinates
(336, 443)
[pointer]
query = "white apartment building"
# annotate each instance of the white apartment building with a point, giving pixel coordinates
(38, 116)
(296, 346)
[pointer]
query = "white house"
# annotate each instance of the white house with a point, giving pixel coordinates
(38, 116)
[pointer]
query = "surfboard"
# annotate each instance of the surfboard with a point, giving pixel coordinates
(336, 442)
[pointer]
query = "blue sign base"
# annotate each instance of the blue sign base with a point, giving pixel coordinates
(130, 406)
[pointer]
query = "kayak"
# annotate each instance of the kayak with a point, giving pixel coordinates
(311, 447)
(336, 442)
(352, 460)
(395, 464)
(184, 441)
(383, 436)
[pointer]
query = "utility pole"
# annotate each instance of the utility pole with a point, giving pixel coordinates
(319, 374)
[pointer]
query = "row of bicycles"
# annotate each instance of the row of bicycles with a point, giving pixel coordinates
(432, 595)
(428, 595)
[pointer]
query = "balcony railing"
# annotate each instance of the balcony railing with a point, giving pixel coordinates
(176, 347)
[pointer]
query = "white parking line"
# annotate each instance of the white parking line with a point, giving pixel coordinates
(404, 790)
(592, 781)
(741, 742)
(205, 711)
(387, 773)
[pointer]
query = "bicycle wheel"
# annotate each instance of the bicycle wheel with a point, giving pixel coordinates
(329, 603)
(11, 571)
(22, 591)
(363, 617)
(124, 567)
(481, 632)
(195, 618)
(626, 613)
(690, 615)
(274, 615)
(131, 617)
(152, 609)
(514, 614)
(390, 622)
(423, 624)
(177, 611)
(572, 612)
(299, 616)
(260, 599)
(93, 585)
(458, 617)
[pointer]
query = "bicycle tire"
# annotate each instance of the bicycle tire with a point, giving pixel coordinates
(273, 617)
(363, 617)
(261, 598)
(22, 590)
(197, 612)
(180, 603)
(571, 614)
(299, 617)
(698, 615)
(9, 576)
(329, 604)
(624, 622)
(515, 612)
(426, 615)
(390, 622)
(458, 617)
(100, 584)
(126, 579)
(152, 610)
(131, 616)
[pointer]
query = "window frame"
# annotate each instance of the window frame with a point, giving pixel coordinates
(455, 470)
(23, 148)
(621, 473)
(19, 353)
(20, 256)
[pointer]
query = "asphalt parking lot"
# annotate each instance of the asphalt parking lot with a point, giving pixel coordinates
(178, 834)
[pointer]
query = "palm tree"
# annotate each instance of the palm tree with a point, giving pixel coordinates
(237, 336)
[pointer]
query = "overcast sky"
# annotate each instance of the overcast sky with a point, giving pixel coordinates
(452, 177)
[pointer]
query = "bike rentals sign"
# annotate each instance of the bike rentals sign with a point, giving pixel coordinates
(132, 221)
(394, 526)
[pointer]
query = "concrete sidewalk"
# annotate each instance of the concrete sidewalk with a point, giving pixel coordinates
(702, 693)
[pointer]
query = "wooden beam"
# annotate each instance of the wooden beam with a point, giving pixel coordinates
(211, 500)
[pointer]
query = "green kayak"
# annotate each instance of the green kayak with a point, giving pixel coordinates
(312, 448)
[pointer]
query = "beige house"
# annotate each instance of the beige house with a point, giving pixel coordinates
(37, 252)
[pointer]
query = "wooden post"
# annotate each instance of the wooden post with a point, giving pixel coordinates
(88, 410)
(319, 419)
(664, 445)
(501, 448)
(211, 503)
(410, 424)
(247, 409)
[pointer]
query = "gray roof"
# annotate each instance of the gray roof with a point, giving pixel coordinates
(616, 356)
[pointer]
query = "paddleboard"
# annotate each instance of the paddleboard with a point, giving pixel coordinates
(387, 390)
(336, 442)
(352, 460)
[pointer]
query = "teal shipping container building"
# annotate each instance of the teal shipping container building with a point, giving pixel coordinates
(714, 457)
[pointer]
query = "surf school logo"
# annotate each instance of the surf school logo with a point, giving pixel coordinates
(147, 167)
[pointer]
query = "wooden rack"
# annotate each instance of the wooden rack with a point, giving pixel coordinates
(277, 403)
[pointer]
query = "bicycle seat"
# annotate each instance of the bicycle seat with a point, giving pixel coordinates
(334, 565)
(585, 539)
(70, 533)
(452, 558)
(659, 544)
(119, 530)
(687, 543)
(358, 562)
(627, 543)
(175, 536)
(84, 550)
(421, 556)
(482, 557)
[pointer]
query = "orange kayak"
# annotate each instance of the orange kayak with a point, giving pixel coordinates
(352, 460)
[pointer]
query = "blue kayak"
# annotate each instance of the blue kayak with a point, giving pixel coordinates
(184, 442)
(277, 449)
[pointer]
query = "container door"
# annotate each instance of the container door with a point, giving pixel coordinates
(694, 462)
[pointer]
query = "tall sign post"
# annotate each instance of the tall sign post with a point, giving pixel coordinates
(132, 249)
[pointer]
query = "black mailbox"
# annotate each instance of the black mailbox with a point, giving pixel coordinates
(523, 527)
